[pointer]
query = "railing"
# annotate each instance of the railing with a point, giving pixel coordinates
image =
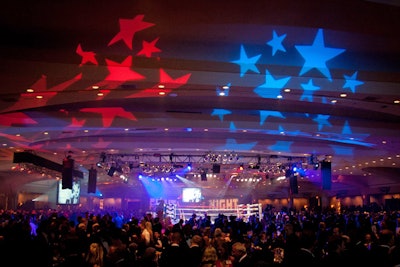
(242, 211)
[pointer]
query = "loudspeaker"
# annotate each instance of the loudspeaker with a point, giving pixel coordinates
(326, 173)
(92, 180)
(216, 168)
(293, 184)
(67, 173)
(203, 176)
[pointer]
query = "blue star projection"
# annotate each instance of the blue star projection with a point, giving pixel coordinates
(342, 150)
(322, 121)
(272, 87)
(346, 128)
(264, 114)
(232, 127)
(291, 133)
(309, 89)
(247, 64)
(283, 146)
(352, 82)
(317, 54)
(232, 145)
(220, 113)
(276, 43)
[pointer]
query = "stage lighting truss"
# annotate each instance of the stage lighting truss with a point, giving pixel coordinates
(241, 167)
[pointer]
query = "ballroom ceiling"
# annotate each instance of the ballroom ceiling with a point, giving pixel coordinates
(167, 82)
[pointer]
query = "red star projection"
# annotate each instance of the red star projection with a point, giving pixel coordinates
(76, 123)
(101, 144)
(87, 57)
(165, 80)
(149, 48)
(29, 100)
(17, 118)
(120, 73)
(14, 138)
(109, 114)
(128, 28)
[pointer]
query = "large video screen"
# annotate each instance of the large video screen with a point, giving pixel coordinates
(69, 196)
(191, 194)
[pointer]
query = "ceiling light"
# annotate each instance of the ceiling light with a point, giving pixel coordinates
(224, 90)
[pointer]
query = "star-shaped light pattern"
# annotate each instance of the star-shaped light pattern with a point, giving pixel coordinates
(309, 89)
(128, 28)
(322, 121)
(281, 146)
(109, 114)
(276, 43)
(17, 118)
(101, 144)
(40, 87)
(271, 88)
(167, 81)
(346, 128)
(149, 48)
(87, 56)
(75, 123)
(14, 138)
(121, 72)
(264, 114)
(282, 131)
(317, 54)
(352, 82)
(246, 64)
(220, 113)
(232, 145)
(232, 127)
(342, 150)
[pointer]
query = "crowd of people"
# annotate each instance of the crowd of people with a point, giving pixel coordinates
(64, 238)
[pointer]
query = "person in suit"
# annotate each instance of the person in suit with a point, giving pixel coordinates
(195, 251)
(240, 255)
(175, 255)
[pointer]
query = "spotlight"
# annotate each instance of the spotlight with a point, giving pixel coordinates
(316, 166)
(111, 171)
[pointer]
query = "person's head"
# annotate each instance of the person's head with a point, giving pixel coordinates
(96, 250)
(176, 237)
(149, 254)
(157, 234)
(238, 250)
(209, 254)
(196, 240)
